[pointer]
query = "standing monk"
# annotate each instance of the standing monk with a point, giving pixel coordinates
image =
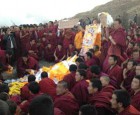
(118, 43)
(79, 38)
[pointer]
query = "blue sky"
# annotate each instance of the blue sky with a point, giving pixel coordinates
(36, 11)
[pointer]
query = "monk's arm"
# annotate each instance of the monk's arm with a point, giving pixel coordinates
(112, 41)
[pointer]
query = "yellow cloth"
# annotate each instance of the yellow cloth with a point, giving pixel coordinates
(78, 40)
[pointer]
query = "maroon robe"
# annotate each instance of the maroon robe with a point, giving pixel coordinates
(119, 36)
(101, 100)
(25, 93)
(80, 92)
(127, 81)
(34, 49)
(129, 52)
(21, 66)
(49, 54)
(58, 112)
(25, 106)
(130, 110)
(60, 54)
(70, 51)
(66, 43)
(70, 79)
(135, 100)
(90, 62)
(48, 86)
(52, 39)
(115, 74)
(67, 103)
(24, 40)
(108, 88)
(40, 33)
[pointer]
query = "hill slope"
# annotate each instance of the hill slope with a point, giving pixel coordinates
(125, 8)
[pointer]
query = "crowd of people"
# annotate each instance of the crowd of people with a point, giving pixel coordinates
(105, 81)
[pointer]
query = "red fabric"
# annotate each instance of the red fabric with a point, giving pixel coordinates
(135, 100)
(115, 75)
(58, 112)
(25, 93)
(67, 103)
(127, 82)
(52, 39)
(24, 40)
(70, 51)
(130, 110)
(60, 54)
(108, 88)
(80, 92)
(49, 54)
(70, 79)
(100, 99)
(32, 48)
(66, 43)
(25, 106)
(48, 86)
(21, 66)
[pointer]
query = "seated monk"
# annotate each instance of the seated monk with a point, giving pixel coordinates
(114, 72)
(99, 99)
(59, 53)
(25, 93)
(25, 64)
(47, 85)
(96, 71)
(106, 87)
(135, 98)
(128, 75)
(88, 59)
(70, 78)
(32, 49)
(51, 38)
(95, 59)
(97, 51)
(129, 49)
(80, 89)
(34, 92)
(121, 102)
(79, 60)
(49, 53)
(70, 50)
(6, 70)
(87, 110)
(65, 101)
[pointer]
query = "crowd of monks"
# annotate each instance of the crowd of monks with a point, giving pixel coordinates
(105, 81)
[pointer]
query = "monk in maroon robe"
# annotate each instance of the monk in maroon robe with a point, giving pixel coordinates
(128, 75)
(129, 49)
(98, 98)
(49, 53)
(24, 38)
(65, 100)
(51, 38)
(80, 89)
(58, 112)
(67, 39)
(47, 85)
(121, 102)
(25, 64)
(34, 92)
(70, 78)
(106, 87)
(135, 98)
(88, 59)
(114, 72)
(32, 49)
(25, 93)
(70, 50)
(118, 43)
(59, 54)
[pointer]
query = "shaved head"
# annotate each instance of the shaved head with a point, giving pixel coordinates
(105, 80)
